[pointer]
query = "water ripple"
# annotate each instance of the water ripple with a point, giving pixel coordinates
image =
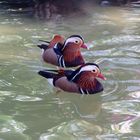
(75, 129)
(135, 48)
(4, 83)
(122, 39)
(115, 40)
(124, 60)
(12, 128)
(9, 38)
(128, 126)
(135, 94)
(128, 107)
(27, 98)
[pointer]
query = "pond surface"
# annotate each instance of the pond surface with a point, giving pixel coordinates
(31, 109)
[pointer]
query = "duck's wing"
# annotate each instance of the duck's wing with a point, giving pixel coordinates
(52, 73)
(56, 39)
(50, 44)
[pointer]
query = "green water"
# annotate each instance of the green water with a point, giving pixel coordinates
(31, 109)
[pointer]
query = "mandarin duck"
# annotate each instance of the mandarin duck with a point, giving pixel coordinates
(82, 80)
(63, 53)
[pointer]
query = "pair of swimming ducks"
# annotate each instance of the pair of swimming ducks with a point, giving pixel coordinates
(67, 53)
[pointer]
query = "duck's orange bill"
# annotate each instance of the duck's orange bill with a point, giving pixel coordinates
(84, 46)
(100, 75)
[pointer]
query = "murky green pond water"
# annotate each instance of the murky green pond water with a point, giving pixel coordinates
(30, 109)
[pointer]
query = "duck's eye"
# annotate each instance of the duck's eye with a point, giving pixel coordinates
(94, 71)
(76, 41)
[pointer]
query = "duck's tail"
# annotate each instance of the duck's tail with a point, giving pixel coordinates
(43, 44)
